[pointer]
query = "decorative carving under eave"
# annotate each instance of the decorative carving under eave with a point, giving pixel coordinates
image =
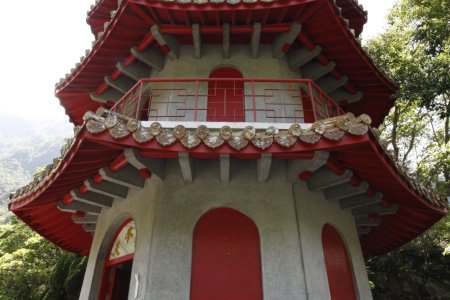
(119, 126)
(332, 129)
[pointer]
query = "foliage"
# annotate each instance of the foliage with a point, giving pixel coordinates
(418, 270)
(66, 279)
(414, 51)
(30, 266)
(418, 127)
(27, 261)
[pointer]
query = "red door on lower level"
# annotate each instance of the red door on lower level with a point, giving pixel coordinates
(225, 97)
(226, 259)
(339, 271)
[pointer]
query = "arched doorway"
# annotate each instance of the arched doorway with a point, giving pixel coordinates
(226, 259)
(339, 271)
(225, 97)
(117, 271)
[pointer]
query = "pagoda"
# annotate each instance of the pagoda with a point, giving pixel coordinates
(224, 149)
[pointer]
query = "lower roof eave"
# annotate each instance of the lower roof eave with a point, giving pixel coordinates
(416, 213)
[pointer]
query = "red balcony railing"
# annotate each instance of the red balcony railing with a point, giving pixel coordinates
(227, 100)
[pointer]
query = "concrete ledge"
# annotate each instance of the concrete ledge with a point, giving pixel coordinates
(134, 71)
(92, 198)
(127, 176)
(360, 201)
(374, 209)
(107, 188)
(345, 190)
(87, 219)
(325, 178)
(151, 57)
(76, 206)
(301, 56)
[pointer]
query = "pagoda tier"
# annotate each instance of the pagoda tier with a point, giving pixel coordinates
(100, 13)
(110, 156)
(313, 37)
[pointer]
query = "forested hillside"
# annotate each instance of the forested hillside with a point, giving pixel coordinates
(31, 267)
(26, 145)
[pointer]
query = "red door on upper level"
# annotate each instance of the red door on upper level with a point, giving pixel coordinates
(226, 259)
(225, 97)
(339, 271)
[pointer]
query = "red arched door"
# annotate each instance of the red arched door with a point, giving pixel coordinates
(225, 97)
(339, 271)
(226, 259)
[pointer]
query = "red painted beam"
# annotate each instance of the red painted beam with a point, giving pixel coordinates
(146, 42)
(68, 199)
(235, 29)
(334, 166)
(118, 163)
(305, 40)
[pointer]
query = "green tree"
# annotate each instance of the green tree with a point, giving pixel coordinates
(25, 261)
(414, 51)
(33, 268)
(418, 270)
(418, 127)
(66, 278)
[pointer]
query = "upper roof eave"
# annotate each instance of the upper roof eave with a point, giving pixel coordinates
(109, 27)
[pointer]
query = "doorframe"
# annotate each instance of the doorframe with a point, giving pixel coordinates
(109, 264)
(241, 76)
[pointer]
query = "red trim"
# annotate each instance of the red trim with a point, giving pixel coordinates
(371, 192)
(145, 173)
(305, 175)
(385, 203)
(97, 179)
(286, 48)
(225, 104)
(335, 167)
(109, 263)
(165, 49)
(113, 240)
(68, 199)
(80, 214)
(355, 181)
(235, 29)
(337, 262)
(118, 163)
(110, 283)
(120, 260)
(226, 257)
(83, 189)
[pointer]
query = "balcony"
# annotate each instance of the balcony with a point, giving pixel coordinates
(227, 100)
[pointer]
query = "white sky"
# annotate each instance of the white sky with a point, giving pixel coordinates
(42, 40)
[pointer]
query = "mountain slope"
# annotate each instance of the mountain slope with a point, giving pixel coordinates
(26, 145)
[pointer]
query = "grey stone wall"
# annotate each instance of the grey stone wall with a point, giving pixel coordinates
(289, 218)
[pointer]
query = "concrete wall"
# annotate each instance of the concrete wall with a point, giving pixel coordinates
(313, 212)
(270, 96)
(289, 219)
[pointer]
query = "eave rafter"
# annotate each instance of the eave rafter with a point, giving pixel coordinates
(165, 13)
(84, 197)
